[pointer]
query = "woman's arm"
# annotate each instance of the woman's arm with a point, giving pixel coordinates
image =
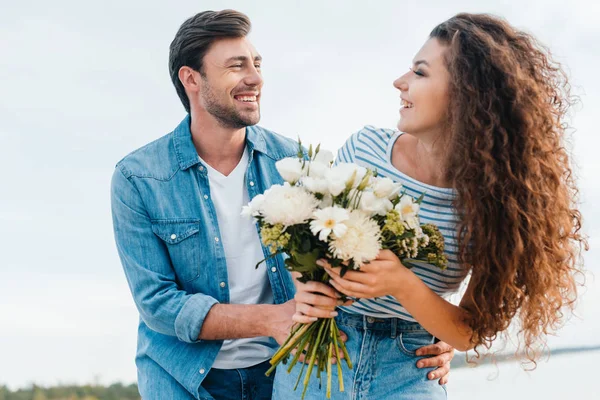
(387, 276)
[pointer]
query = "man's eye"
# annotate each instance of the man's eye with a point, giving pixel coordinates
(257, 66)
(237, 66)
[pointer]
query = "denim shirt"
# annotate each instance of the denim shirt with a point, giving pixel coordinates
(168, 239)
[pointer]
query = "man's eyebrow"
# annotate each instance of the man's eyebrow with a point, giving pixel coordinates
(242, 58)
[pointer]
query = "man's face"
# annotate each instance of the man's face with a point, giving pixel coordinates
(232, 83)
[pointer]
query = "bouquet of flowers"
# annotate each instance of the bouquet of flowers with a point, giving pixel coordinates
(345, 214)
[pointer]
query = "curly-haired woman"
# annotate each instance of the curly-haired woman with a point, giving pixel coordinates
(481, 133)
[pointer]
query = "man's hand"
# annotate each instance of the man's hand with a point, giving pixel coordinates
(443, 353)
(280, 322)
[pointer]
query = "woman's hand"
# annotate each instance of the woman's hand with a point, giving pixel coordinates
(381, 277)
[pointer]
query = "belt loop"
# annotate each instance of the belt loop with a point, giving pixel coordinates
(394, 327)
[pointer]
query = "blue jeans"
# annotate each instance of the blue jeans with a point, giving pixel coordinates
(239, 384)
(383, 354)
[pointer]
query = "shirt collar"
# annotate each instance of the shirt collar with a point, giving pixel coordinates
(187, 156)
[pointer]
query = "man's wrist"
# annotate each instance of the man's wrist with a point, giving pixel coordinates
(264, 315)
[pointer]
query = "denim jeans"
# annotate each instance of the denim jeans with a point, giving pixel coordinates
(240, 384)
(383, 354)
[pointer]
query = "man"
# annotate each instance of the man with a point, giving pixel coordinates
(209, 322)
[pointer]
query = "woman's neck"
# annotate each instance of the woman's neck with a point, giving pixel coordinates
(421, 159)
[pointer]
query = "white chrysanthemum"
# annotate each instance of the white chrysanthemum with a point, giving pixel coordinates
(409, 211)
(344, 175)
(385, 188)
(360, 242)
(290, 169)
(315, 185)
(287, 205)
(329, 220)
(253, 208)
(372, 204)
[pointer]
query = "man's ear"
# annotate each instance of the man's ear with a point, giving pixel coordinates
(190, 79)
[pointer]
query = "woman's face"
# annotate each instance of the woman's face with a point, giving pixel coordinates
(424, 92)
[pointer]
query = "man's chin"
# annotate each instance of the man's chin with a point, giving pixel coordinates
(251, 119)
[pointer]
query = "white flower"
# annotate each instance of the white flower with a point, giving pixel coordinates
(253, 208)
(360, 242)
(374, 205)
(344, 175)
(290, 169)
(386, 188)
(328, 220)
(326, 201)
(315, 185)
(324, 157)
(409, 211)
(287, 205)
(316, 169)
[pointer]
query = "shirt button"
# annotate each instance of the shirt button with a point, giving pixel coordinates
(222, 284)
(202, 371)
(205, 197)
(217, 239)
(273, 269)
(201, 168)
(251, 183)
(370, 320)
(173, 236)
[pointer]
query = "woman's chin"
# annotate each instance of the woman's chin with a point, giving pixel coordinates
(402, 126)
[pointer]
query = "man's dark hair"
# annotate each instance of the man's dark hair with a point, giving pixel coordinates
(194, 38)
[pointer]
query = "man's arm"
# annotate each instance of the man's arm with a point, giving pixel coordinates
(162, 304)
(234, 321)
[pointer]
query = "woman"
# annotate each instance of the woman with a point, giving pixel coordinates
(483, 110)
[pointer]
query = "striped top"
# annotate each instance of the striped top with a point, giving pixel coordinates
(372, 148)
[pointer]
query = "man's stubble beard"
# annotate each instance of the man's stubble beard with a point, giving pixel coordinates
(227, 116)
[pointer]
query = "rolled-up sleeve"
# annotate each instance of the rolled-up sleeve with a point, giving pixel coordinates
(162, 304)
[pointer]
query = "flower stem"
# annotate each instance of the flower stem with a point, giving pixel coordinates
(339, 359)
(317, 344)
(329, 353)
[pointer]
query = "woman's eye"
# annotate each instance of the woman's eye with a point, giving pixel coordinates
(417, 72)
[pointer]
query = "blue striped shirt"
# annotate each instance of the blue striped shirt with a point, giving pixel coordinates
(372, 148)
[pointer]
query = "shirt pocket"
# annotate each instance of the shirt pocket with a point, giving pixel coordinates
(183, 243)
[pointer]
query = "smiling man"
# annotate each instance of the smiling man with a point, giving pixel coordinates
(209, 321)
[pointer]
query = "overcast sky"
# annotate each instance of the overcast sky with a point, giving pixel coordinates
(84, 83)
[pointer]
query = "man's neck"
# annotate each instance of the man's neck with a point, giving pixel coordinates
(219, 146)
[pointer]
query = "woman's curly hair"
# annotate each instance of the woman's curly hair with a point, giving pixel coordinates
(519, 227)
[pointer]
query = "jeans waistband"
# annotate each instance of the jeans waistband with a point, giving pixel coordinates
(392, 325)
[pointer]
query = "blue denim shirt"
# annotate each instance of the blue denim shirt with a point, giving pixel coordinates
(168, 240)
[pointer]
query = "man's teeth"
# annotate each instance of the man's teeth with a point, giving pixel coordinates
(246, 98)
(406, 104)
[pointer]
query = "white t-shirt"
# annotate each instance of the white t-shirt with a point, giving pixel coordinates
(243, 251)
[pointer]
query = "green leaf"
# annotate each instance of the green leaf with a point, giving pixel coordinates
(344, 270)
(308, 260)
(305, 244)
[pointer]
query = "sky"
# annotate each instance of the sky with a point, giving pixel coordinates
(85, 83)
